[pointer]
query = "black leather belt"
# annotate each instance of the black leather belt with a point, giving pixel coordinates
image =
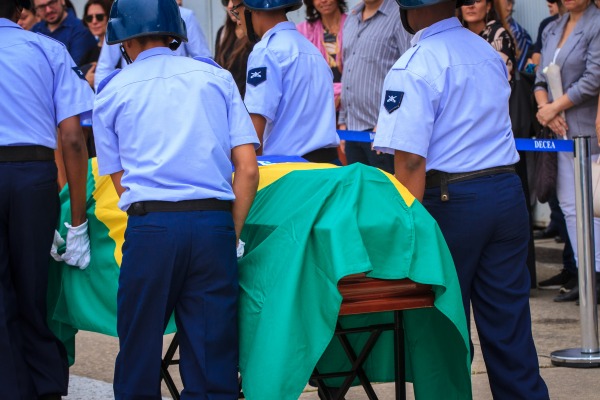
(25, 153)
(145, 207)
(441, 179)
(324, 155)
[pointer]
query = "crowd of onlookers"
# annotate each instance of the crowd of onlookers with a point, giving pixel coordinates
(361, 47)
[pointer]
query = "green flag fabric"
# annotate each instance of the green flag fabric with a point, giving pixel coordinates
(305, 232)
(310, 225)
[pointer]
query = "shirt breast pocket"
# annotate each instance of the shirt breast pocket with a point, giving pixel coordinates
(378, 47)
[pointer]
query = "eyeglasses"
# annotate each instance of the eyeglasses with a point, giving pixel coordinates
(234, 11)
(42, 7)
(90, 17)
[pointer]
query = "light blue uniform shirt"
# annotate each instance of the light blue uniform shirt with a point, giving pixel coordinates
(170, 123)
(290, 84)
(451, 111)
(40, 87)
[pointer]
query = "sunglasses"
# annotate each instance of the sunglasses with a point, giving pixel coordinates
(234, 11)
(42, 7)
(90, 17)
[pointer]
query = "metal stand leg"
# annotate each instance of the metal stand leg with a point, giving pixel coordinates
(399, 357)
(164, 368)
(589, 354)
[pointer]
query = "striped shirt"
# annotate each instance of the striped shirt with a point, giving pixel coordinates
(522, 40)
(370, 49)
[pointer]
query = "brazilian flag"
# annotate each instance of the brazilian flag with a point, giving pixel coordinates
(310, 225)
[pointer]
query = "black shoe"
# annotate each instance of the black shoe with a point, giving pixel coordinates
(544, 234)
(559, 239)
(571, 295)
(557, 281)
(570, 285)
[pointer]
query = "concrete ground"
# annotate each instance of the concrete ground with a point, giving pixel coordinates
(555, 327)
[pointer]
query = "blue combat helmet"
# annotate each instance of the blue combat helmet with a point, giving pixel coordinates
(268, 5)
(130, 19)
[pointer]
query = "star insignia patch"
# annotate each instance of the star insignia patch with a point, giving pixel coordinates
(392, 100)
(79, 73)
(256, 76)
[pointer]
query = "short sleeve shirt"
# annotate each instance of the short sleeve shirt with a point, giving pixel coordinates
(169, 123)
(289, 83)
(40, 87)
(446, 99)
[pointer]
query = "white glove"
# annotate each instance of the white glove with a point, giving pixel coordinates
(56, 243)
(78, 246)
(240, 249)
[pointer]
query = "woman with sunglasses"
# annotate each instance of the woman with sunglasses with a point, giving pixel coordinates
(95, 18)
(487, 19)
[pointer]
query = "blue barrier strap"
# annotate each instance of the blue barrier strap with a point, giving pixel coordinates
(559, 145)
(356, 136)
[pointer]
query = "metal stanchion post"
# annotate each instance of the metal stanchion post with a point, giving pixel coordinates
(589, 354)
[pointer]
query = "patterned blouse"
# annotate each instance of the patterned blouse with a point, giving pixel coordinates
(501, 40)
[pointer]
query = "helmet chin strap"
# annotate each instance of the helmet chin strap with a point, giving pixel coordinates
(125, 55)
(250, 32)
(174, 45)
(405, 24)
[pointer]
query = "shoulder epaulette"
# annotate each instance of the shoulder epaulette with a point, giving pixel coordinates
(207, 60)
(407, 56)
(107, 79)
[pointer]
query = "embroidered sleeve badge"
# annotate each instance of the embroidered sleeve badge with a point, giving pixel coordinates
(392, 100)
(79, 73)
(256, 76)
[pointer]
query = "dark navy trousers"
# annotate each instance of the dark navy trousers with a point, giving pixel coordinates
(486, 226)
(183, 262)
(33, 361)
(363, 153)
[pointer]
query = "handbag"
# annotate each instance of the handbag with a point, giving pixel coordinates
(596, 187)
(521, 105)
(546, 170)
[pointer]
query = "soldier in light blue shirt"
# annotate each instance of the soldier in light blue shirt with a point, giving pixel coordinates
(444, 116)
(167, 130)
(41, 89)
(288, 93)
